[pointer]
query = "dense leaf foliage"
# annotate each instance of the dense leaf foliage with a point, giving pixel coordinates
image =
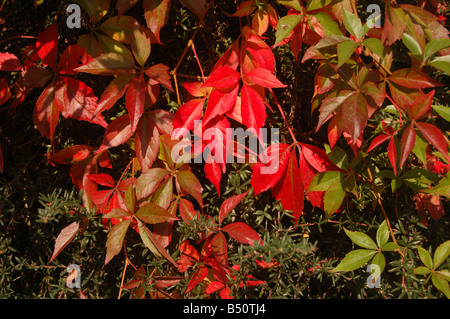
(159, 174)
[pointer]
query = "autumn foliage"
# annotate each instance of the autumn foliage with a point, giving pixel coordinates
(377, 125)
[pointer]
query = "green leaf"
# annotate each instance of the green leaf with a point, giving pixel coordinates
(443, 273)
(117, 213)
(324, 180)
(443, 111)
(146, 239)
(422, 270)
(380, 261)
(285, 25)
(441, 189)
(317, 4)
(115, 239)
(337, 156)
(345, 51)
(390, 246)
(441, 63)
(354, 259)
(154, 214)
(353, 24)
(334, 197)
(441, 284)
(375, 45)
(361, 239)
(420, 148)
(441, 254)
(425, 257)
(434, 46)
(329, 26)
(130, 199)
(294, 4)
(413, 46)
(382, 234)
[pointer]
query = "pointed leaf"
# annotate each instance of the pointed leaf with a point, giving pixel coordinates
(146, 142)
(117, 132)
(64, 238)
(441, 253)
(355, 115)
(355, 259)
(229, 204)
(242, 233)
(113, 92)
(407, 143)
(198, 276)
(154, 214)
(345, 51)
(412, 78)
(108, 64)
(435, 137)
(156, 13)
(264, 78)
(285, 26)
(135, 100)
(440, 283)
(140, 43)
(220, 249)
(191, 185)
(361, 239)
(425, 257)
(198, 7)
(443, 111)
(9, 62)
(115, 240)
(252, 108)
(222, 78)
(382, 234)
(46, 113)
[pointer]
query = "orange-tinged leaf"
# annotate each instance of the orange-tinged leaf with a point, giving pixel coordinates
(123, 5)
(103, 179)
(354, 115)
(187, 114)
(244, 9)
(160, 73)
(115, 239)
(113, 92)
(392, 154)
(46, 113)
(149, 181)
(191, 185)
(242, 233)
(119, 28)
(135, 100)
(117, 132)
(110, 63)
(412, 78)
(421, 105)
(47, 45)
(64, 238)
(154, 214)
(140, 43)
(264, 78)
(220, 249)
(146, 142)
(187, 211)
(156, 13)
(72, 154)
(198, 7)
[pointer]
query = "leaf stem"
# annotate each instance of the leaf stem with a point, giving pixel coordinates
(284, 117)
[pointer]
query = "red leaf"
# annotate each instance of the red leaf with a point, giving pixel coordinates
(421, 105)
(146, 142)
(223, 77)
(412, 78)
(242, 233)
(219, 103)
(160, 73)
(253, 109)
(270, 167)
(78, 101)
(380, 139)
(214, 286)
(392, 154)
(113, 92)
(187, 211)
(263, 78)
(135, 100)
(407, 143)
(64, 238)
(435, 137)
(431, 203)
(188, 113)
(196, 6)
(289, 190)
(73, 57)
(110, 63)
(198, 276)
(156, 14)
(9, 62)
(5, 92)
(229, 204)
(47, 45)
(148, 182)
(195, 89)
(72, 154)
(46, 113)
(117, 132)
(103, 179)
(220, 249)
(213, 173)
(354, 115)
